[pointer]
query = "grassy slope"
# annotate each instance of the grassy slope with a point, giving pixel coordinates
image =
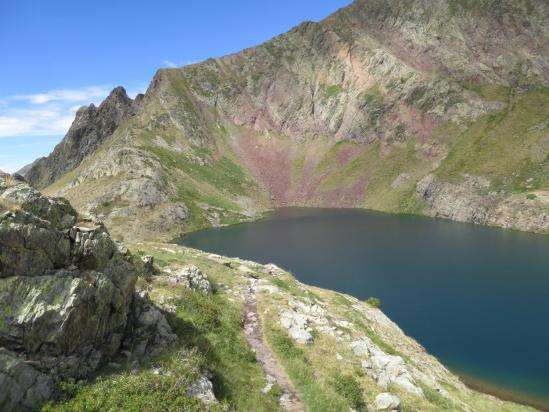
(211, 338)
(509, 147)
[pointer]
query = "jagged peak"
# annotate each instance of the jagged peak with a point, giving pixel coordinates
(117, 98)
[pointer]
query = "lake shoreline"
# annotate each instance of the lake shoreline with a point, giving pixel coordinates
(485, 268)
(504, 394)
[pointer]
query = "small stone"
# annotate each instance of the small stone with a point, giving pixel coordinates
(387, 402)
(202, 390)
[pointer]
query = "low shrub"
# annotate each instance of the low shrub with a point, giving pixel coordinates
(374, 302)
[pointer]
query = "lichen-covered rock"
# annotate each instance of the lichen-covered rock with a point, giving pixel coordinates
(30, 246)
(202, 390)
(148, 264)
(66, 298)
(297, 326)
(193, 278)
(387, 402)
(150, 331)
(384, 368)
(21, 386)
(57, 211)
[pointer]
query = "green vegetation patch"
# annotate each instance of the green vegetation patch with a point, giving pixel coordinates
(140, 390)
(333, 90)
(316, 396)
(213, 325)
(505, 146)
(349, 388)
(374, 302)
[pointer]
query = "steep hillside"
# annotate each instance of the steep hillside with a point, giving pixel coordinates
(404, 106)
(271, 343)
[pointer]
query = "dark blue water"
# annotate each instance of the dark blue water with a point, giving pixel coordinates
(476, 297)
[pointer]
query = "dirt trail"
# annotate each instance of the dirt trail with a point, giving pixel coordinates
(274, 372)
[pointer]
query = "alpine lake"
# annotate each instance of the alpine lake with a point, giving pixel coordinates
(475, 297)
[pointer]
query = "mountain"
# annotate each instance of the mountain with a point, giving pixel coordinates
(90, 128)
(85, 325)
(437, 108)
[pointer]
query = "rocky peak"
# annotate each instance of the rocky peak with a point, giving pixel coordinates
(92, 125)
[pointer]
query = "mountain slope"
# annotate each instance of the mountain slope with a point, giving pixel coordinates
(338, 352)
(403, 106)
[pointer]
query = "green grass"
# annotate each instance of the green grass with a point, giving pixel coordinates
(223, 174)
(136, 391)
(490, 92)
(505, 146)
(374, 98)
(437, 399)
(348, 387)
(317, 397)
(212, 324)
(217, 183)
(333, 90)
(381, 170)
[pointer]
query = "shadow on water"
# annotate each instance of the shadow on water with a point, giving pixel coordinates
(475, 297)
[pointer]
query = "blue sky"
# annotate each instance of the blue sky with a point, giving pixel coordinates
(59, 55)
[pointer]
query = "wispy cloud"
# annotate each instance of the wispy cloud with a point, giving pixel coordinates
(45, 114)
(35, 122)
(172, 64)
(67, 95)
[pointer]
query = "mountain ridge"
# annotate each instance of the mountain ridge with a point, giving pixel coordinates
(354, 111)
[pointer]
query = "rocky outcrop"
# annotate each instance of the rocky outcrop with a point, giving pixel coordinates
(297, 326)
(472, 201)
(67, 293)
(202, 390)
(149, 331)
(90, 128)
(23, 387)
(384, 368)
(387, 402)
(192, 278)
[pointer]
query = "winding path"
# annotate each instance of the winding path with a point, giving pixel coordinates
(274, 372)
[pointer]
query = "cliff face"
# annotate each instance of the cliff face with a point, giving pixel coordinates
(89, 129)
(352, 111)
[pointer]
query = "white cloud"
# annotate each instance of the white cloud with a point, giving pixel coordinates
(45, 114)
(172, 65)
(67, 95)
(53, 120)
